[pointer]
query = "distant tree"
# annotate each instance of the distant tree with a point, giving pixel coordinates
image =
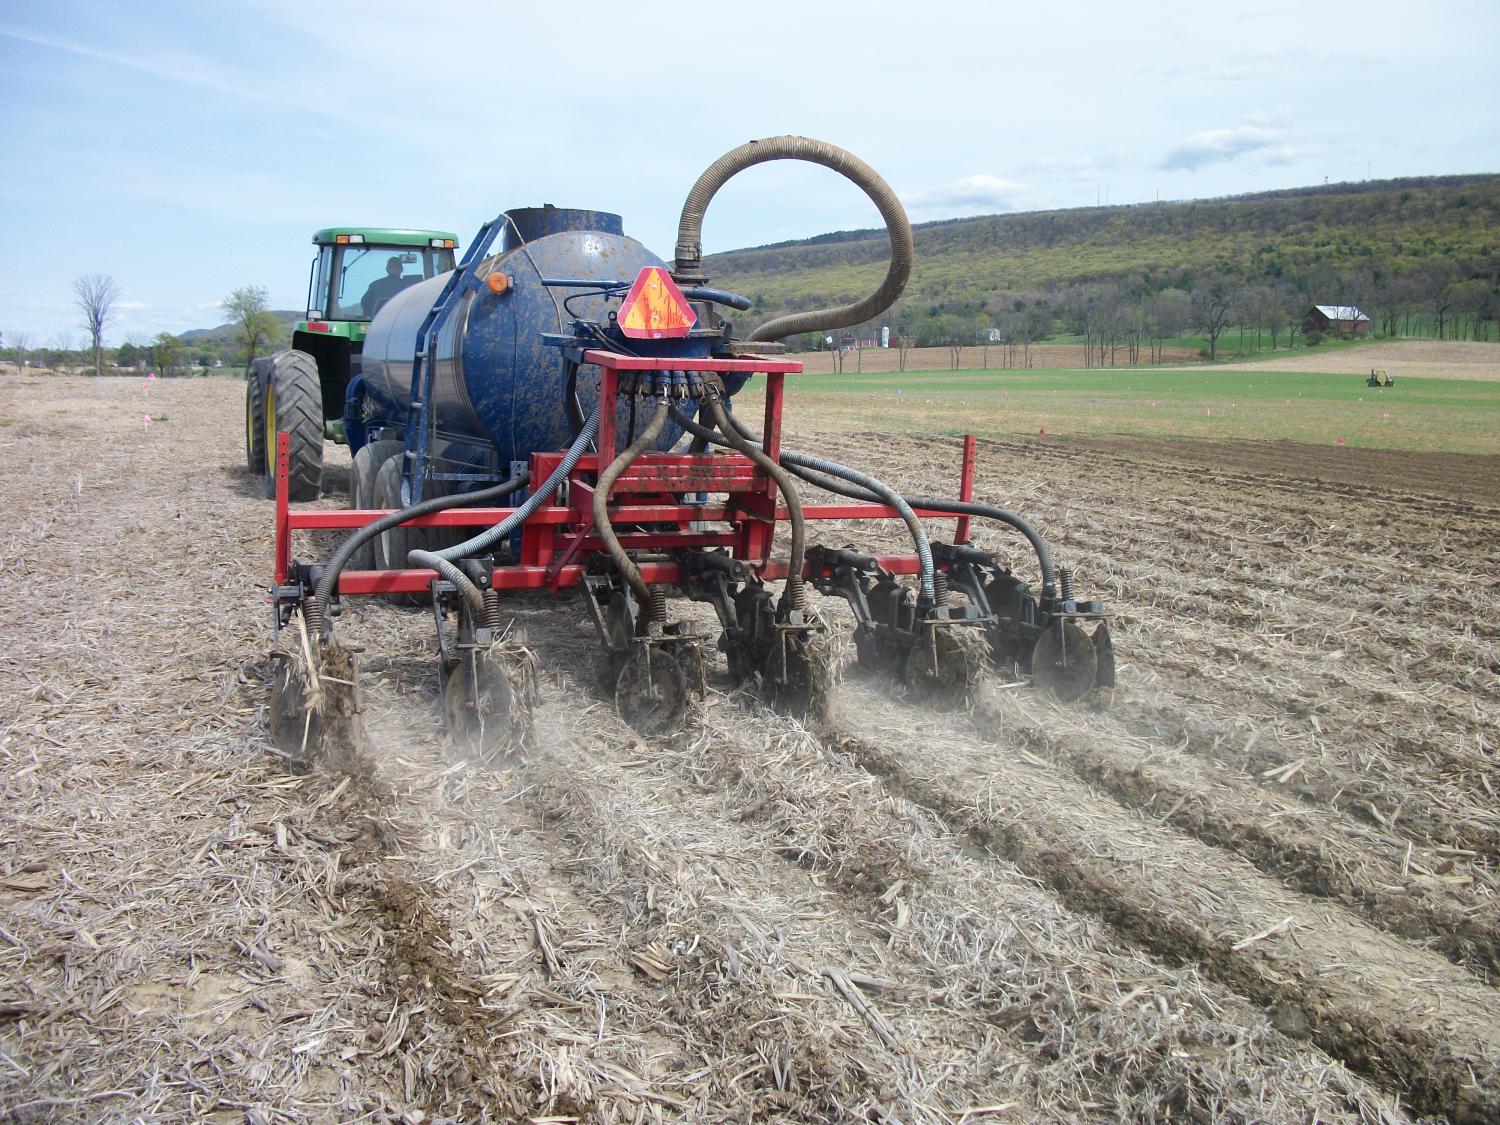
(1211, 305)
(1167, 313)
(59, 355)
(19, 343)
(166, 353)
(95, 295)
(130, 354)
(1437, 287)
(1479, 300)
(254, 324)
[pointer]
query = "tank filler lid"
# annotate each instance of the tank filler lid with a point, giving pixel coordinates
(655, 308)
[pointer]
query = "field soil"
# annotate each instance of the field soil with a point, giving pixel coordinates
(1259, 883)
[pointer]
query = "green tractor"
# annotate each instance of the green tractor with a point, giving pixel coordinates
(303, 389)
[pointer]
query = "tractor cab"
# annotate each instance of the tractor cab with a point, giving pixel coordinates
(357, 270)
(301, 390)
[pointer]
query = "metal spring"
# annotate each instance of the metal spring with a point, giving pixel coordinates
(312, 614)
(659, 604)
(1065, 582)
(796, 588)
(492, 608)
(939, 587)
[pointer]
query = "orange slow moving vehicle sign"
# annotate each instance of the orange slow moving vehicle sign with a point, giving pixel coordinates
(655, 308)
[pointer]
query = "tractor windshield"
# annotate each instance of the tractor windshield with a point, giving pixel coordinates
(354, 281)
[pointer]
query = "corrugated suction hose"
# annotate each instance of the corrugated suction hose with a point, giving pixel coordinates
(688, 269)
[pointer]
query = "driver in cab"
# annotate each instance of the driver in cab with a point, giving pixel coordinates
(383, 289)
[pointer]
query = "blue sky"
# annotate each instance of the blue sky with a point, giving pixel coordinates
(189, 148)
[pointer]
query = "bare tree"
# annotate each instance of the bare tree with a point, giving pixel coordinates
(95, 294)
(1211, 307)
(60, 356)
(253, 322)
(19, 343)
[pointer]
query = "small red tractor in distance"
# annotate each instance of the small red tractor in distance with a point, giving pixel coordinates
(303, 390)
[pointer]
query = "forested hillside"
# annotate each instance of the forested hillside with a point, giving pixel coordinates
(1416, 254)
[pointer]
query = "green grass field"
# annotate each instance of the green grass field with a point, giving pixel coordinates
(1434, 415)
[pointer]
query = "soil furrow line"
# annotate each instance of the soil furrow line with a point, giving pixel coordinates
(743, 965)
(1309, 857)
(1354, 993)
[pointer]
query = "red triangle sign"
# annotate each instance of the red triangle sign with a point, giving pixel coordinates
(655, 308)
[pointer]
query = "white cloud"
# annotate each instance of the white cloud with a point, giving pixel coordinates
(131, 305)
(1217, 145)
(978, 194)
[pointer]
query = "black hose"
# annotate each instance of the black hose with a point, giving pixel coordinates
(606, 530)
(861, 486)
(797, 555)
(362, 535)
(688, 268)
(955, 507)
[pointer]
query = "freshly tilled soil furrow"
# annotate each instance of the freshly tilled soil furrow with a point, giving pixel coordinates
(1307, 855)
(739, 963)
(988, 938)
(1437, 1044)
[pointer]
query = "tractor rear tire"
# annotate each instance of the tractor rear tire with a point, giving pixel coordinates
(255, 416)
(294, 405)
(367, 463)
(391, 546)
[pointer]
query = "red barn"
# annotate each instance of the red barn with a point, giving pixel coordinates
(1346, 320)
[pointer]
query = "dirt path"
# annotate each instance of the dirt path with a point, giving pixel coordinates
(1261, 885)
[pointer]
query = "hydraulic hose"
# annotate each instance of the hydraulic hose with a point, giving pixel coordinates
(688, 268)
(442, 561)
(461, 581)
(362, 535)
(801, 463)
(796, 597)
(1001, 515)
(492, 535)
(644, 440)
(868, 488)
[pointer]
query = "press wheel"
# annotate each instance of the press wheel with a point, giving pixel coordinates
(806, 688)
(945, 666)
(651, 692)
(1064, 663)
(480, 707)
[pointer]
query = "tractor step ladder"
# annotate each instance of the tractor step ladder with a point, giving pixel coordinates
(421, 418)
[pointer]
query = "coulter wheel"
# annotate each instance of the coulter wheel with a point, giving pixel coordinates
(1064, 663)
(487, 703)
(651, 692)
(315, 707)
(807, 689)
(945, 665)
